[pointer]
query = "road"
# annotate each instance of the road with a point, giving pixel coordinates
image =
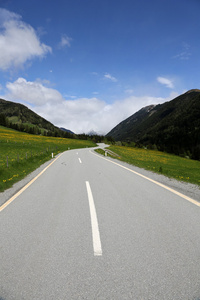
(89, 229)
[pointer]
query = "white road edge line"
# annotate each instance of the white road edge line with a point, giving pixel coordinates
(94, 223)
(156, 182)
(80, 160)
(26, 186)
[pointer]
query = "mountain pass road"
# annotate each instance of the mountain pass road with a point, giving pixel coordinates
(89, 228)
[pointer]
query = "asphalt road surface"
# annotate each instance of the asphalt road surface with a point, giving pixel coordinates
(87, 228)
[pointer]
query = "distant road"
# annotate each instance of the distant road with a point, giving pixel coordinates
(89, 229)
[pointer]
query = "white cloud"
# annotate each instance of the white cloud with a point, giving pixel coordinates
(79, 115)
(129, 91)
(18, 41)
(185, 53)
(34, 93)
(110, 77)
(65, 41)
(167, 82)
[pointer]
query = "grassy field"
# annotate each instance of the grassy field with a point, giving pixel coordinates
(21, 153)
(182, 169)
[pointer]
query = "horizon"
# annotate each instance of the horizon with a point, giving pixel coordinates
(92, 132)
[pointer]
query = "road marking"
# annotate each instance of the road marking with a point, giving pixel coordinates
(26, 186)
(94, 223)
(156, 182)
(80, 160)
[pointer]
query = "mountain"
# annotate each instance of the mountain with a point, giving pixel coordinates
(172, 127)
(19, 114)
(92, 132)
(20, 117)
(127, 129)
(66, 130)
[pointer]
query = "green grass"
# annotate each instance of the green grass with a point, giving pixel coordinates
(173, 166)
(26, 152)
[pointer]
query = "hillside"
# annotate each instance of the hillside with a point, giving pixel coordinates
(20, 117)
(173, 127)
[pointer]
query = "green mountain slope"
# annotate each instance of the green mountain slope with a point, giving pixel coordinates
(18, 113)
(20, 117)
(173, 126)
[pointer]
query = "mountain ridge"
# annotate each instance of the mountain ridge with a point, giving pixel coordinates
(173, 126)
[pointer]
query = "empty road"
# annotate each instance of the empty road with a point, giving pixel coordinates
(89, 229)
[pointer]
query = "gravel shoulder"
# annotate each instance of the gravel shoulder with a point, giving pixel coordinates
(188, 189)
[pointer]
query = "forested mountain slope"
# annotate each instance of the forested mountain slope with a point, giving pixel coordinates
(172, 127)
(20, 117)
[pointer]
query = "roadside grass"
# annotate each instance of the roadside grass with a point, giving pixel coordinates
(173, 166)
(21, 153)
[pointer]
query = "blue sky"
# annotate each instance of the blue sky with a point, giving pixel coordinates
(89, 64)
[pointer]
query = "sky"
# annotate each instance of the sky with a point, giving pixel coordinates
(86, 65)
